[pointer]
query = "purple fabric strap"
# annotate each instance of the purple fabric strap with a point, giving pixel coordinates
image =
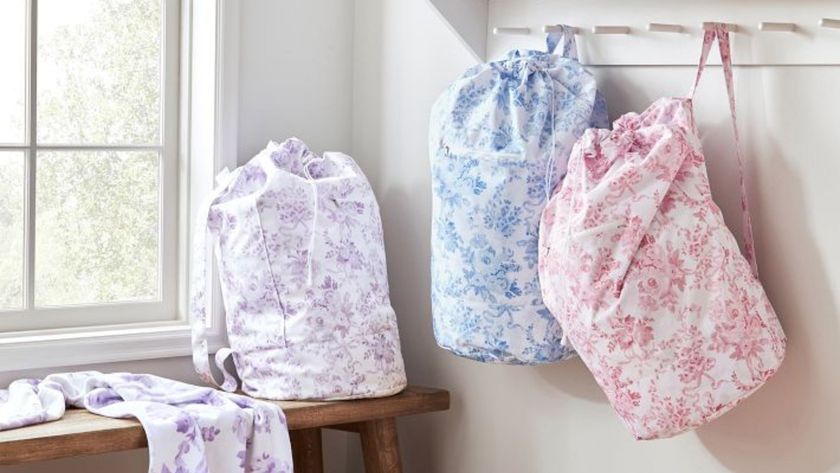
(720, 32)
(200, 292)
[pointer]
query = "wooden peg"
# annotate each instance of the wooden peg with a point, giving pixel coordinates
(499, 30)
(730, 27)
(554, 28)
(773, 26)
(830, 23)
(664, 28)
(603, 29)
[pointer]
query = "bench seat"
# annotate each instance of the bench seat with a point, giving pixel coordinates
(82, 433)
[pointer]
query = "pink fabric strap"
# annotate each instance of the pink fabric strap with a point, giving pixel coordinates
(721, 32)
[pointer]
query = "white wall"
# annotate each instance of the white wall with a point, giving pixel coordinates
(405, 55)
(295, 74)
(554, 418)
(468, 19)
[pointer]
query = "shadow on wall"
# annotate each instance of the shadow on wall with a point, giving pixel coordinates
(790, 424)
(573, 378)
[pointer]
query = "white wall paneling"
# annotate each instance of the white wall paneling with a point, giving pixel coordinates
(808, 44)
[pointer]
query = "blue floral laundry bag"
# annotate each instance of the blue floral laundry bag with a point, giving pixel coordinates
(499, 140)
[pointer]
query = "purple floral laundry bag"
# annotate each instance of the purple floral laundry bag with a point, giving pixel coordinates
(301, 261)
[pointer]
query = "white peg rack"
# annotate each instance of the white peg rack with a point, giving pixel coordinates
(654, 32)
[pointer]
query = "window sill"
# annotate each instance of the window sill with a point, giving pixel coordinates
(92, 345)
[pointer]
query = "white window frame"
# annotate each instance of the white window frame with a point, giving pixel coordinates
(206, 142)
(162, 307)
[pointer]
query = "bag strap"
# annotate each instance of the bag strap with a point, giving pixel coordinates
(720, 32)
(200, 292)
(565, 35)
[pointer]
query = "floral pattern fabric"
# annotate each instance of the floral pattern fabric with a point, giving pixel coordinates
(499, 140)
(302, 267)
(190, 429)
(647, 281)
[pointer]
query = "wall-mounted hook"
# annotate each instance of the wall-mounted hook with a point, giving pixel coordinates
(730, 27)
(830, 23)
(664, 28)
(554, 28)
(772, 26)
(511, 30)
(602, 29)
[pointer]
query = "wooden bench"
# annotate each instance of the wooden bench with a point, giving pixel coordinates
(82, 433)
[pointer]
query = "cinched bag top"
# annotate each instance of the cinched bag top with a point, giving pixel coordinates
(648, 283)
(499, 139)
(301, 262)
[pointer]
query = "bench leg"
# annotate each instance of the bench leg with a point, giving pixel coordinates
(380, 446)
(306, 451)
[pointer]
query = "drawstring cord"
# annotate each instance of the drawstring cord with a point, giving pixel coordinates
(567, 36)
(549, 172)
(311, 248)
(549, 166)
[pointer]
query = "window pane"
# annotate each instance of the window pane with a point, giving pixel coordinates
(96, 227)
(11, 229)
(13, 76)
(99, 71)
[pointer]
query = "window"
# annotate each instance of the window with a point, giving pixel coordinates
(115, 115)
(88, 162)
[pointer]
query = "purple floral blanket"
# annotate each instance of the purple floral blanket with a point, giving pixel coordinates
(190, 429)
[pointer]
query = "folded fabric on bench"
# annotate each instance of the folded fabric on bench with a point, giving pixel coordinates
(189, 428)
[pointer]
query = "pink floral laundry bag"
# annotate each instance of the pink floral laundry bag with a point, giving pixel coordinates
(645, 278)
